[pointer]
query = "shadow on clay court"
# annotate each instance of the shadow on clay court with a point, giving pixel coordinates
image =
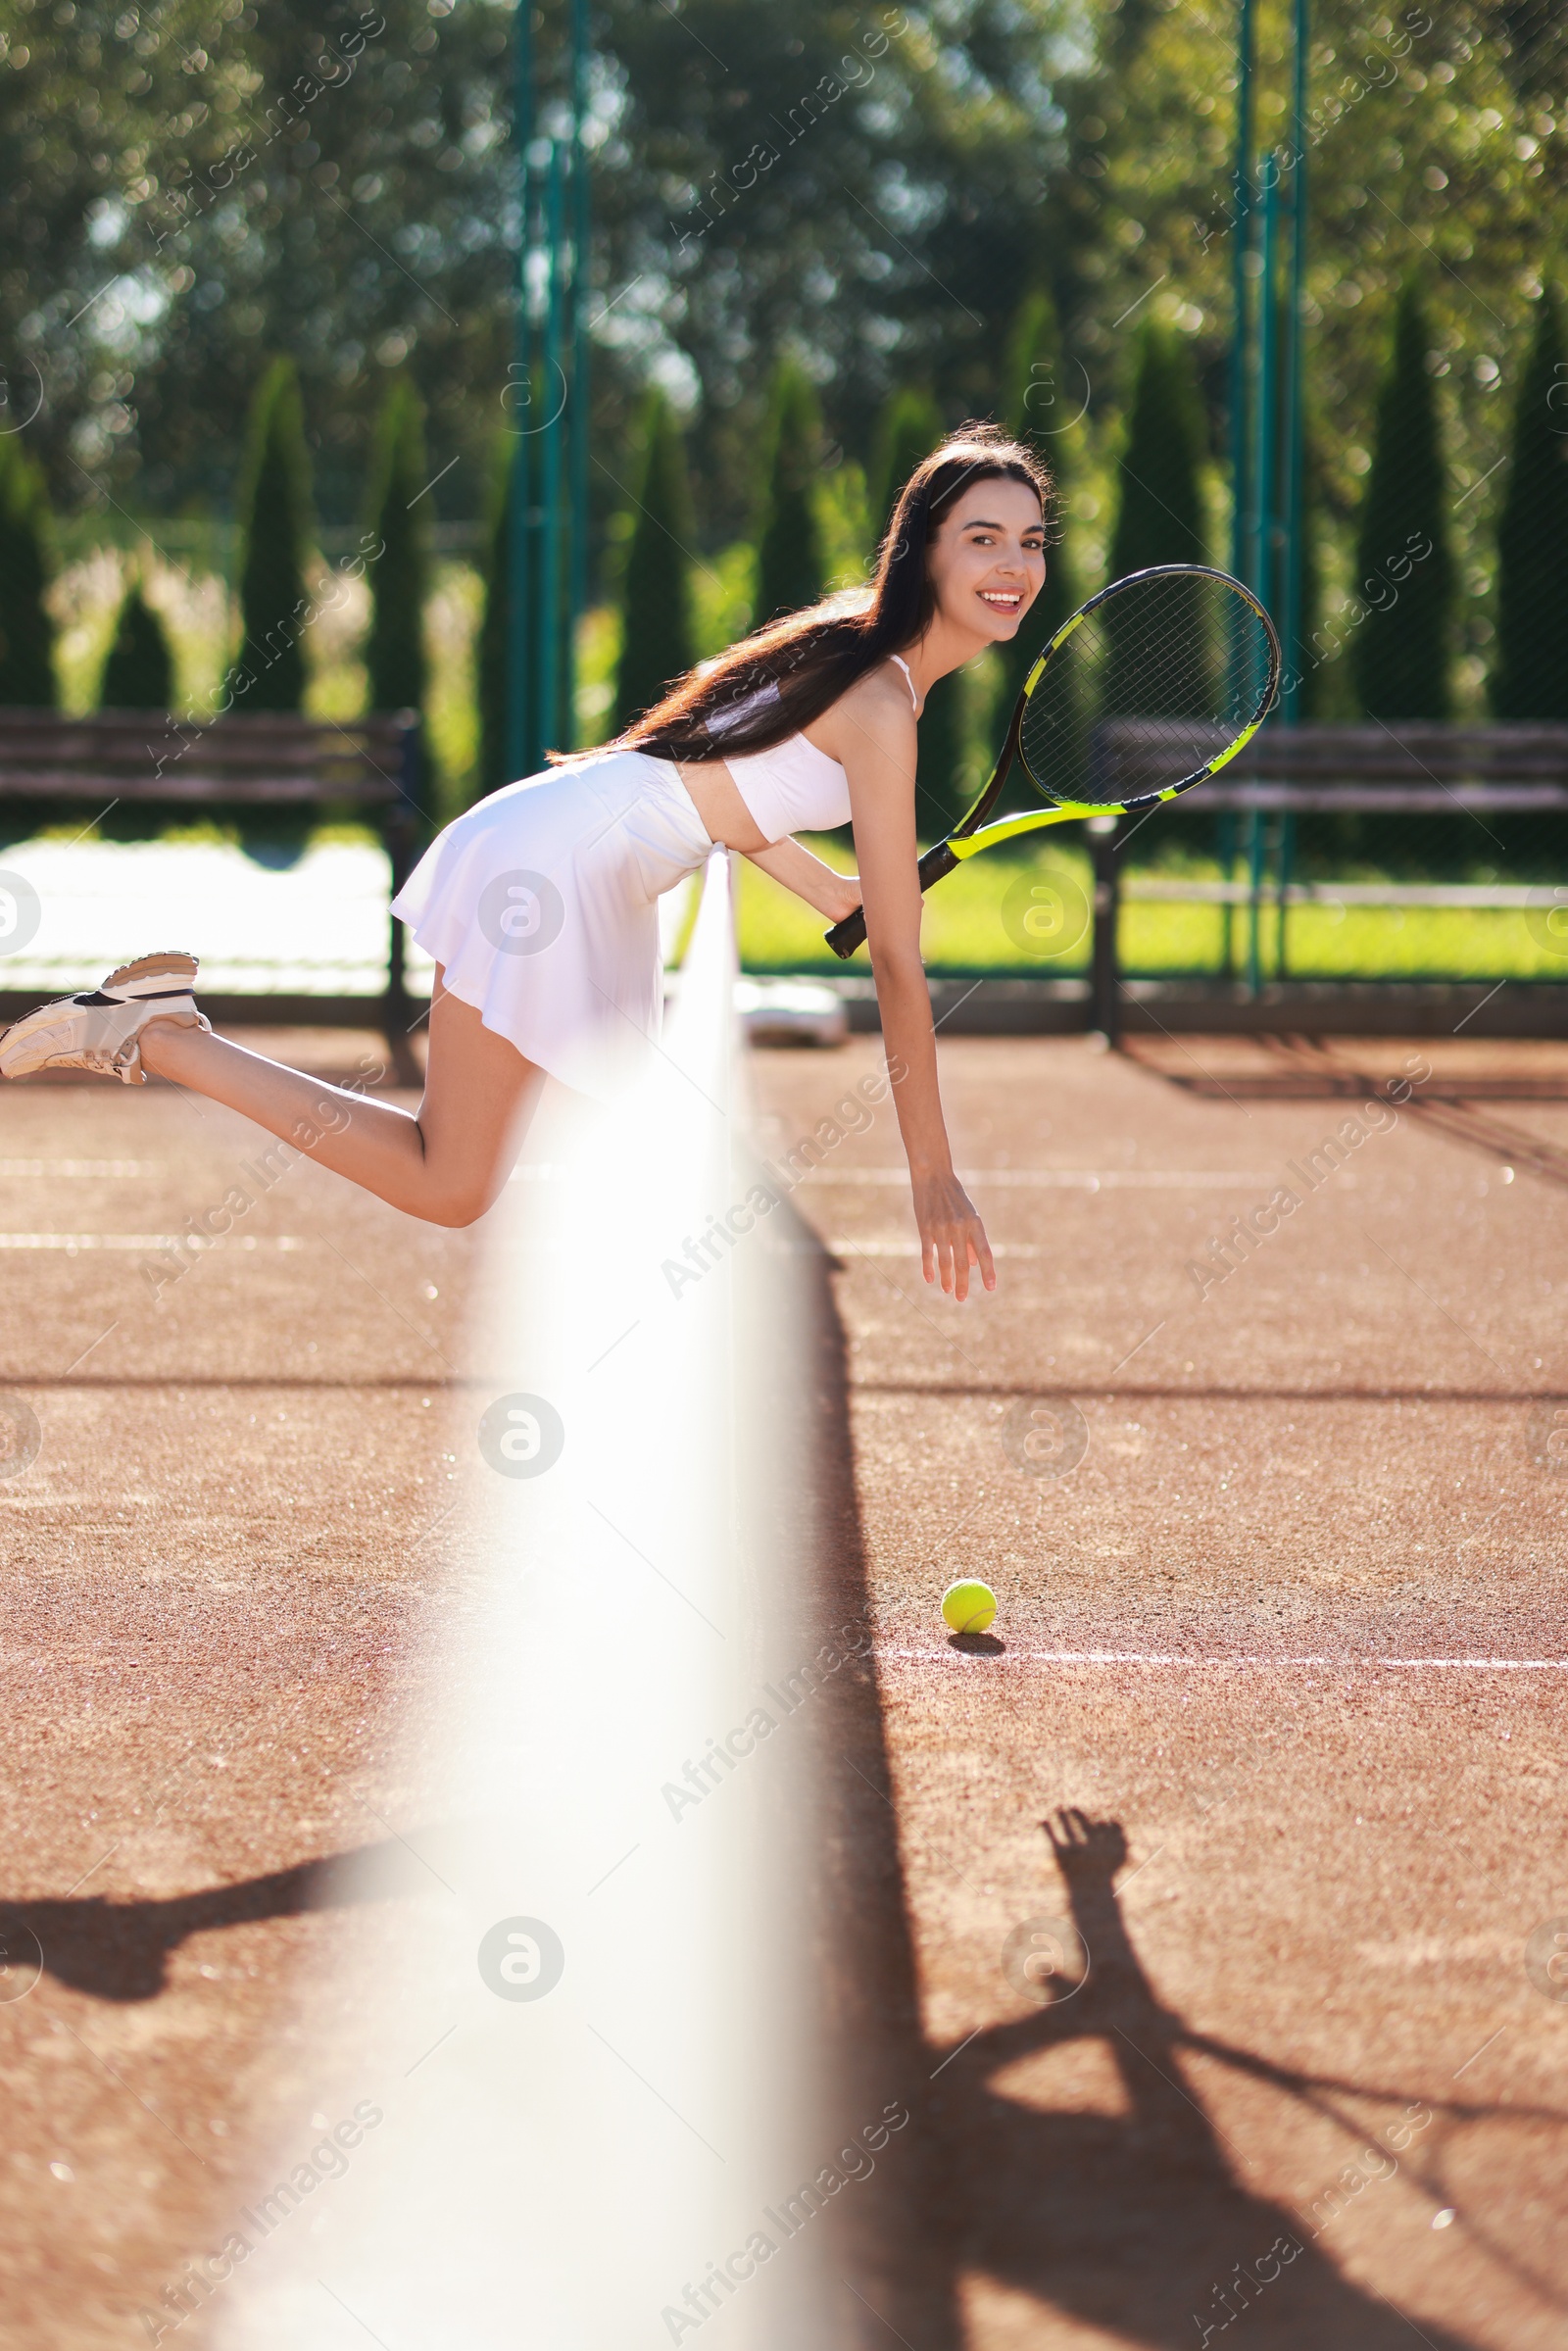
(121, 1950)
(1307, 1070)
(884, 2240)
(1134, 2223)
(1128, 2221)
(1225, 1391)
(1140, 2223)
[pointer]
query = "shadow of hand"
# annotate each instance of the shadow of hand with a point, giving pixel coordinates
(1086, 1848)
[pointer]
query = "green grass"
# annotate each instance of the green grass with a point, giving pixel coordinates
(979, 921)
(965, 927)
(1393, 943)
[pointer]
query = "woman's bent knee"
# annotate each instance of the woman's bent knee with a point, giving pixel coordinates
(459, 1204)
(456, 1215)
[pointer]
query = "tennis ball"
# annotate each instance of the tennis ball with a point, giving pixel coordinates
(968, 1607)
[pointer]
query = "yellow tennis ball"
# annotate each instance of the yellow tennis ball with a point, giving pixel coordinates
(968, 1607)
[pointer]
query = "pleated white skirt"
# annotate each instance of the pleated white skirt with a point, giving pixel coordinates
(541, 906)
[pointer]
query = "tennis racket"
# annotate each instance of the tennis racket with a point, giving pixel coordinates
(1147, 689)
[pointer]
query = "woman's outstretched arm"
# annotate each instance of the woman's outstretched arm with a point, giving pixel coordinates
(823, 887)
(875, 729)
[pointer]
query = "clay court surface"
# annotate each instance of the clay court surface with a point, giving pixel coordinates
(1272, 1724)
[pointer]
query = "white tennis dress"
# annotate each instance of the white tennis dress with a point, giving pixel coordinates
(540, 902)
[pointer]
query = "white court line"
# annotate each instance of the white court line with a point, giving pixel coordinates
(81, 1167)
(149, 1241)
(1159, 1658)
(1035, 1179)
(1055, 1179)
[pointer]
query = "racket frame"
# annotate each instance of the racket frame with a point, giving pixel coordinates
(970, 835)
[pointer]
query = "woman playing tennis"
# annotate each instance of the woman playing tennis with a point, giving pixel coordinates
(539, 903)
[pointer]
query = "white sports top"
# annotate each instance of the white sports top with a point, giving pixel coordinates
(791, 787)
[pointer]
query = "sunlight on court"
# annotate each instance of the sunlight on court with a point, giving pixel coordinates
(314, 927)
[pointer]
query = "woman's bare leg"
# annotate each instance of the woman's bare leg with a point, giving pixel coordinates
(447, 1162)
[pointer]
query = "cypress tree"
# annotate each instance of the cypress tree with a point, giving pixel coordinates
(1531, 677)
(791, 571)
(138, 674)
(1314, 701)
(27, 631)
(275, 513)
(657, 641)
(1034, 410)
(1400, 653)
(400, 576)
(1031, 403)
(943, 787)
(1159, 514)
(907, 430)
(493, 626)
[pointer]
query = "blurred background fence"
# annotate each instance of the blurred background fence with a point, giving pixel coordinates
(495, 366)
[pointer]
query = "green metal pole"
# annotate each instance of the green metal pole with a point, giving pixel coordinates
(1240, 304)
(518, 481)
(1293, 551)
(1265, 444)
(577, 437)
(547, 668)
(1266, 439)
(1260, 539)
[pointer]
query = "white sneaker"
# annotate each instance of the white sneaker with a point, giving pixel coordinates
(101, 1030)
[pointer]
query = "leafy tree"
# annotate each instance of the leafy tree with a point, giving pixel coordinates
(657, 640)
(1400, 656)
(791, 571)
(338, 182)
(787, 238)
(295, 178)
(400, 574)
(332, 181)
(1530, 676)
(275, 511)
(139, 673)
(26, 632)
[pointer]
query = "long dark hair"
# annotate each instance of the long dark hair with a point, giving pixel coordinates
(812, 657)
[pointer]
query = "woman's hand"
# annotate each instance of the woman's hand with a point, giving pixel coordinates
(873, 730)
(952, 1236)
(846, 900)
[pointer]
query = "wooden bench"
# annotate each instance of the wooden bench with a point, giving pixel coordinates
(1411, 769)
(366, 769)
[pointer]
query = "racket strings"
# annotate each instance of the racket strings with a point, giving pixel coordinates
(1154, 682)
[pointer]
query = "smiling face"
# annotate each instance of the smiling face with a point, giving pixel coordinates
(987, 561)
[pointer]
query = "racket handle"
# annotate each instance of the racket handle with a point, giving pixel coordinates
(845, 935)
